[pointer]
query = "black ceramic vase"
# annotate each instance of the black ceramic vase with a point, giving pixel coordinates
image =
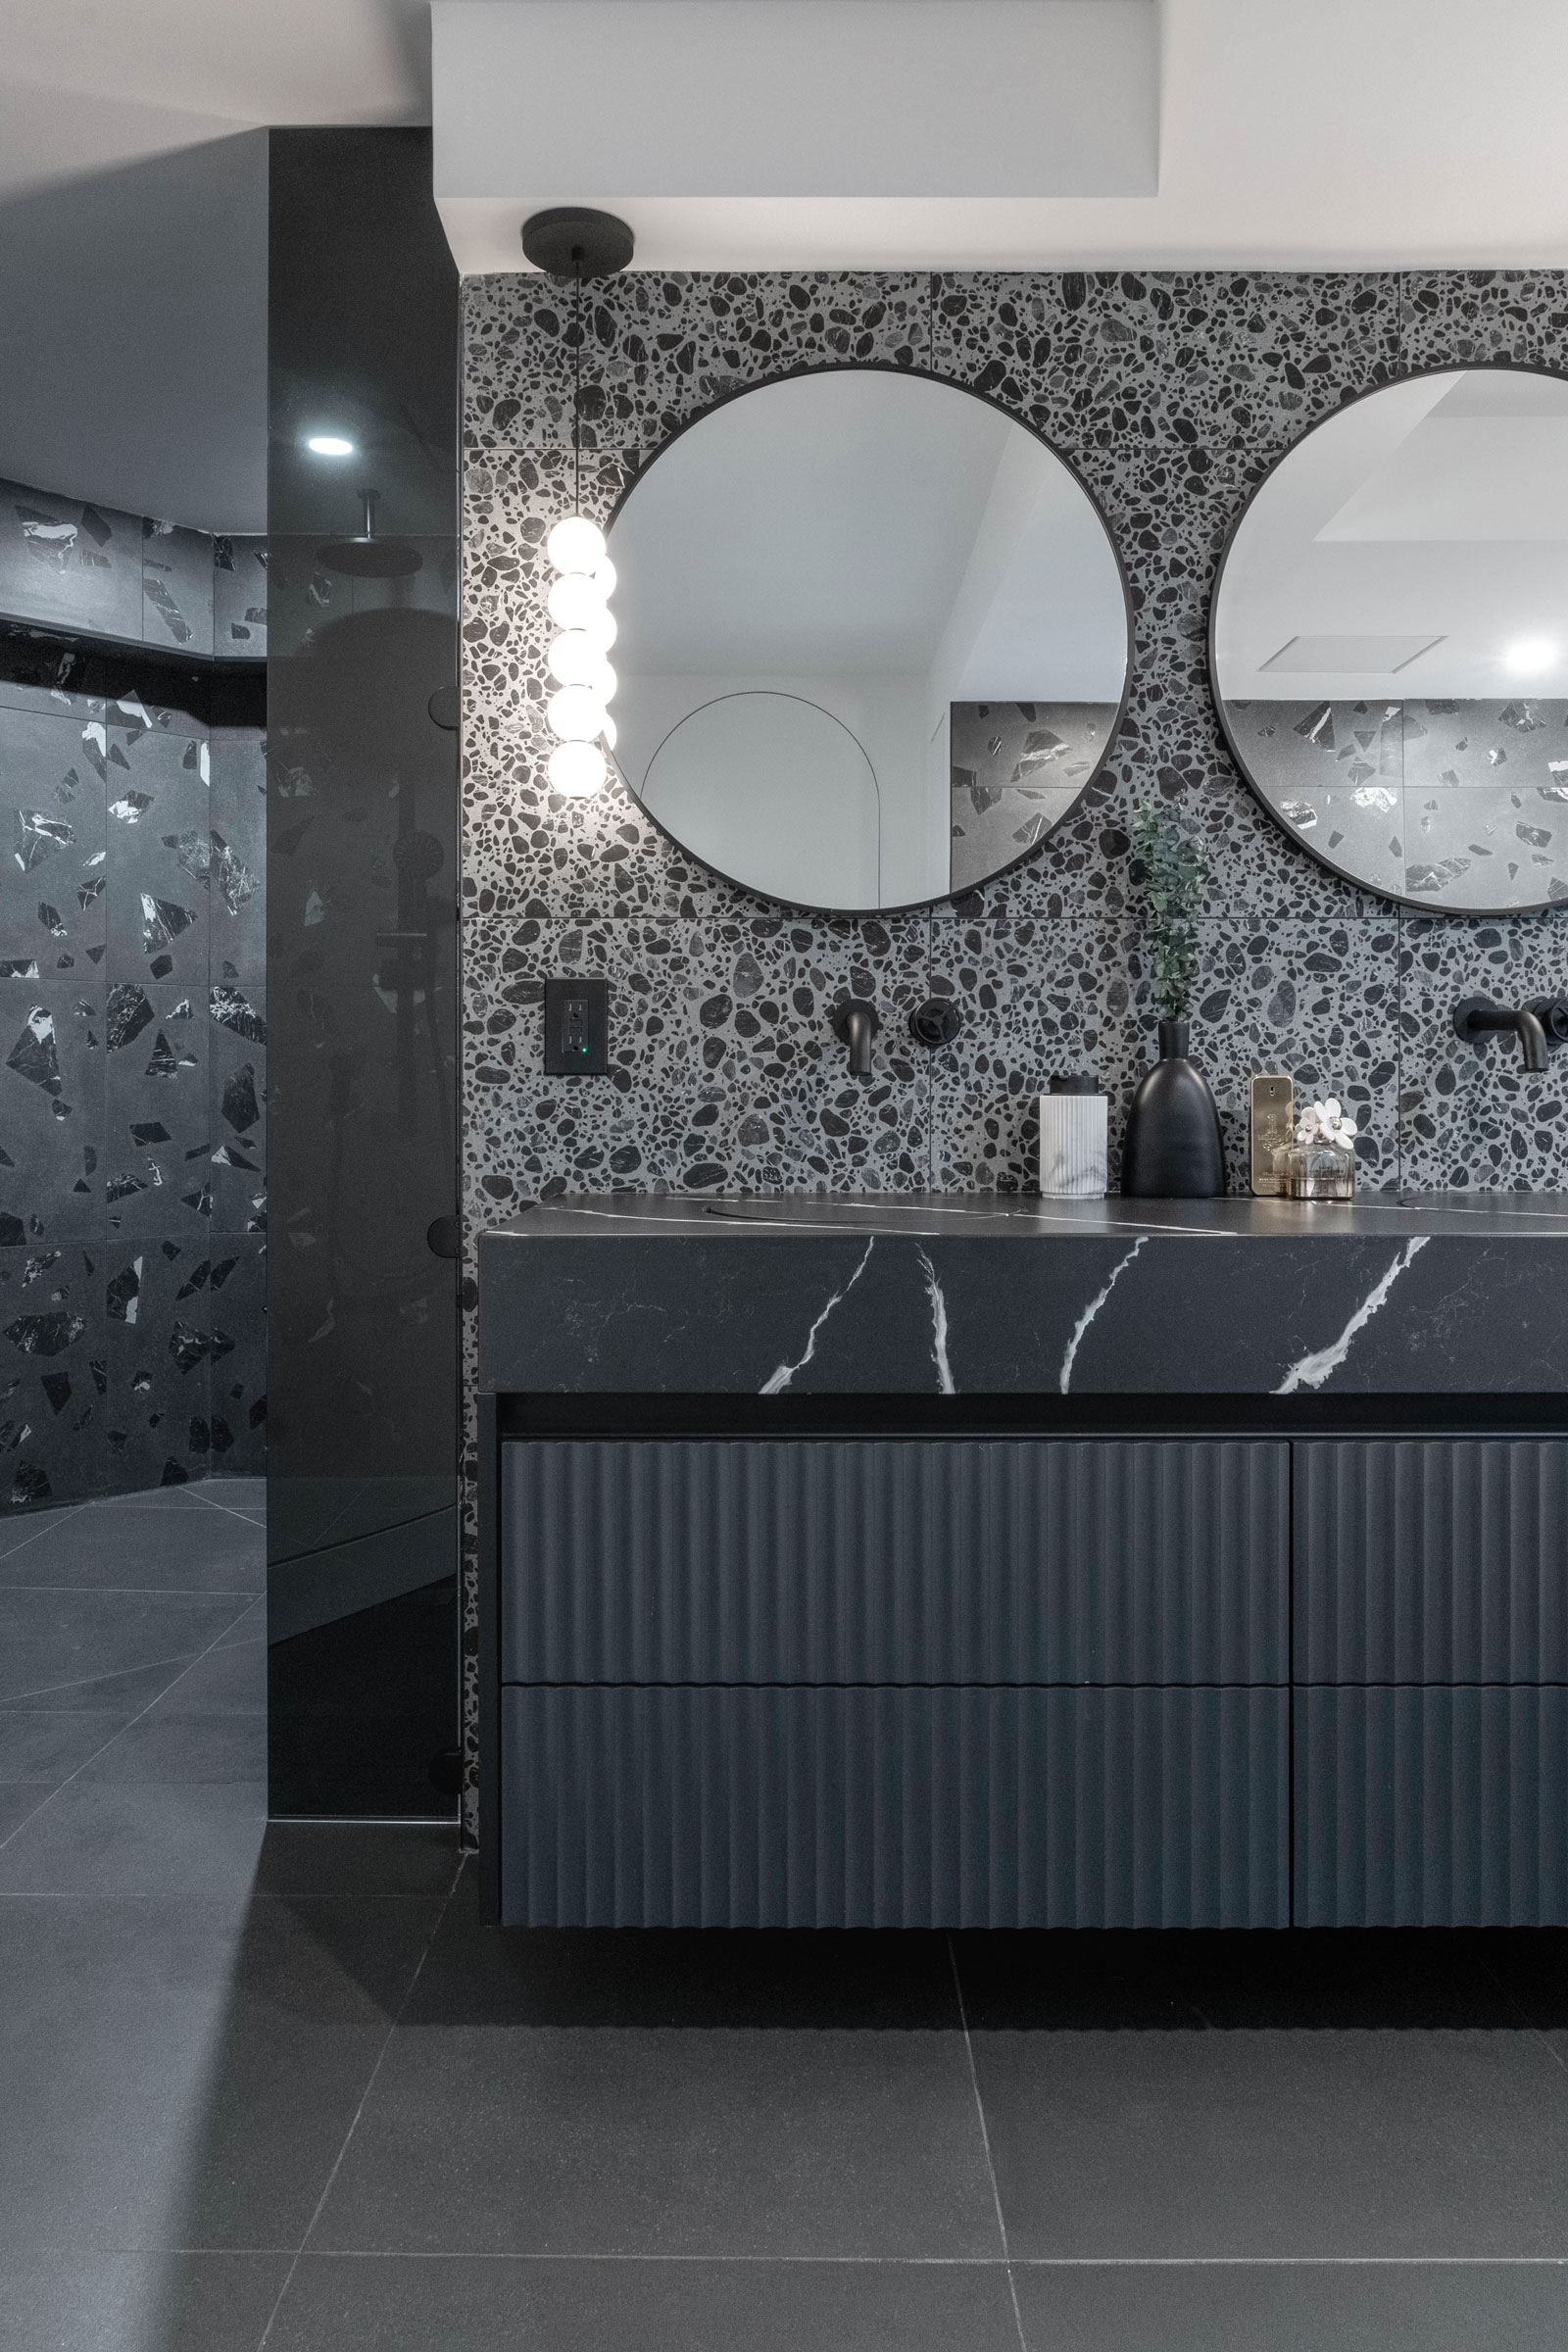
(1173, 1149)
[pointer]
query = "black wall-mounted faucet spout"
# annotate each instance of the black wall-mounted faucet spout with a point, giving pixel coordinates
(1475, 1018)
(857, 1023)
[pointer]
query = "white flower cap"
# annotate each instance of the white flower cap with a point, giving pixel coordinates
(1327, 1123)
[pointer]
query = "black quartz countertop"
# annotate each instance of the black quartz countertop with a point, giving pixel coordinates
(1018, 1216)
(1446, 1296)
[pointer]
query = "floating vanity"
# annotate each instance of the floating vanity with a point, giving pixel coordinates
(968, 1562)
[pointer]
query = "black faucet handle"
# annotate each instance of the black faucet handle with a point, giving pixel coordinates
(1552, 1014)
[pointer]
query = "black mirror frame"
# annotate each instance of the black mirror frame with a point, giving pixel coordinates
(861, 914)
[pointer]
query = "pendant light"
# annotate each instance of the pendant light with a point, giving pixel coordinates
(579, 244)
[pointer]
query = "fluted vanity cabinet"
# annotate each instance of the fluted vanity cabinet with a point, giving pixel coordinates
(885, 1682)
(963, 1561)
(1431, 1662)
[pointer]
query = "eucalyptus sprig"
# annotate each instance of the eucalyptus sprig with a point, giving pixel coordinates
(1175, 869)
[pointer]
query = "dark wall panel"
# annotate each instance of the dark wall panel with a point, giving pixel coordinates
(362, 960)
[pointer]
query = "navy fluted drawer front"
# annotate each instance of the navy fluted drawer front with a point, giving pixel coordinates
(897, 1560)
(1444, 1806)
(670, 1807)
(1432, 1561)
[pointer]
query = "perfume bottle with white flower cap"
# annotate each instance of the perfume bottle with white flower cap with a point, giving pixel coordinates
(1320, 1164)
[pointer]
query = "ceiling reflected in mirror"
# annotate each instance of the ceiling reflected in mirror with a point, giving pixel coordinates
(874, 640)
(1388, 641)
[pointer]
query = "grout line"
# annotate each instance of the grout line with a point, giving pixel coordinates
(149, 1593)
(231, 1510)
(348, 2135)
(985, 2143)
(919, 2262)
(80, 1681)
(46, 1522)
(251, 1896)
(48, 1793)
(123, 1729)
(880, 2262)
(1277, 2262)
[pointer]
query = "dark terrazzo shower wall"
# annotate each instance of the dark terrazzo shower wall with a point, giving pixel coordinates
(132, 1048)
(1172, 393)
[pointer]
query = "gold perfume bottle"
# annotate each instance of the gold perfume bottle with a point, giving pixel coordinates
(1273, 1107)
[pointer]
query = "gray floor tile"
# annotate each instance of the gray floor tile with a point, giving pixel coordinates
(186, 1497)
(53, 1644)
(182, 2073)
(144, 1839)
(116, 1546)
(231, 1679)
(251, 1627)
(233, 1493)
(245, 1514)
(369, 1858)
(18, 1801)
(49, 1744)
(1199, 2142)
(1401, 2307)
(771, 1980)
(392, 2304)
(26, 1527)
(184, 1749)
(786, 2118)
(121, 1694)
(75, 2301)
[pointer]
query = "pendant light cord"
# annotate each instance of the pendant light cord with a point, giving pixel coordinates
(577, 392)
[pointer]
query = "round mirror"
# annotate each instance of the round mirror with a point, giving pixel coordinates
(1388, 641)
(872, 639)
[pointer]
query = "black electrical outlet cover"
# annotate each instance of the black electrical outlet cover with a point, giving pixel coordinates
(577, 1028)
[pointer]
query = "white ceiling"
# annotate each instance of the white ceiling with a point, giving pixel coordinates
(1292, 133)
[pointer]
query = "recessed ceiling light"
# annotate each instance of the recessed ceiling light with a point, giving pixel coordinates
(1530, 657)
(329, 445)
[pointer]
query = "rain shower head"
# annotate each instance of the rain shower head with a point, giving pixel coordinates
(368, 558)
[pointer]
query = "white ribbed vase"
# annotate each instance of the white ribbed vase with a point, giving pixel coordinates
(1072, 1146)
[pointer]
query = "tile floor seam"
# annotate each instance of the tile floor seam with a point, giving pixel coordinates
(873, 2262)
(72, 1512)
(149, 1592)
(121, 1894)
(182, 1659)
(230, 1510)
(353, 2119)
(985, 2143)
(172, 1684)
(32, 1814)
(1277, 2262)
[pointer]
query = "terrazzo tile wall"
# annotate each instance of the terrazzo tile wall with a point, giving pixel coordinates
(133, 1011)
(1172, 394)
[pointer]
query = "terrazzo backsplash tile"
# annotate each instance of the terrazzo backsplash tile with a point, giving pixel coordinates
(1172, 393)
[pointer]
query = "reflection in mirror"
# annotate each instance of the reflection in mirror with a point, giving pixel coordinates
(872, 639)
(1390, 647)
